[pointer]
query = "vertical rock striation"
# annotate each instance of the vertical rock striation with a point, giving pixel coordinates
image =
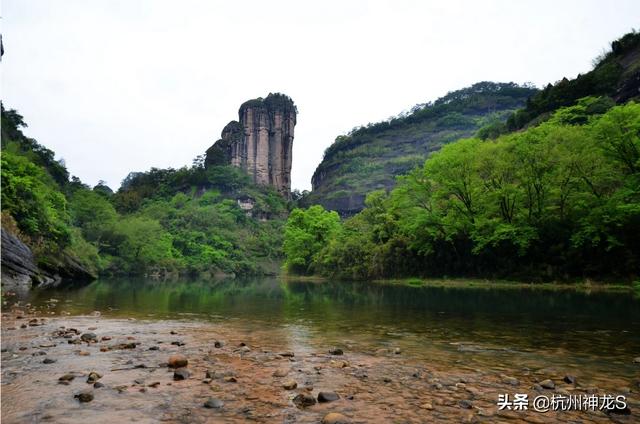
(261, 143)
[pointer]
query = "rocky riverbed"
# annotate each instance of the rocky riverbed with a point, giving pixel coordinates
(94, 369)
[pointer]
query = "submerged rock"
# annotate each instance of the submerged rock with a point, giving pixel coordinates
(336, 351)
(569, 379)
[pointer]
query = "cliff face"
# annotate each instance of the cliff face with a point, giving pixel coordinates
(261, 143)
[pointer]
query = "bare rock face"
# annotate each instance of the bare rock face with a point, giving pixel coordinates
(261, 143)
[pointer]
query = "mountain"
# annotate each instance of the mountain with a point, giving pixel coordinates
(370, 157)
(616, 74)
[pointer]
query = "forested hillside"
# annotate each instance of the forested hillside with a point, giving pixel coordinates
(370, 157)
(559, 200)
(616, 74)
(188, 220)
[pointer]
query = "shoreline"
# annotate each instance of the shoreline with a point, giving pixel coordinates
(479, 283)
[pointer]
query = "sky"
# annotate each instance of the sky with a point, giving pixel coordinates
(114, 86)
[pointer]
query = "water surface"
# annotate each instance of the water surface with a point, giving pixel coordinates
(596, 335)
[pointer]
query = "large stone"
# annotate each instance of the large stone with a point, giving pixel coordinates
(177, 361)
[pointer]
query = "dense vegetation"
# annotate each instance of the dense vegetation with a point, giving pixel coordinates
(558, 200)
(160, 221)
(616, 74)
(370, 157)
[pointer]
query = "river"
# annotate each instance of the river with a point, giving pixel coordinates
(485, 336)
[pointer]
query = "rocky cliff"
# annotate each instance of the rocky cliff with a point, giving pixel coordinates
(261, 142)
(20, 270)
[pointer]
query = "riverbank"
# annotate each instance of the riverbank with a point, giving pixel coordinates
(584, 286)
(261, 373)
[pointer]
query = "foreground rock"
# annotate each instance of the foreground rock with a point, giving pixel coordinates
(177, 361)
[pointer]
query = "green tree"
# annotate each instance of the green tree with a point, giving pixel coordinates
(306, 233)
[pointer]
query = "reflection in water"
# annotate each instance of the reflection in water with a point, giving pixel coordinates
(515, 326)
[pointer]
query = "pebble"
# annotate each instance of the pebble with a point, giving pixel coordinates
(214, 403)
(230, 379)
(89, 337)
(466, 404)
(428, 406)
(97, 385)
(48, 361)
(84, 396)
(93, 377)
(510, 380)
(327, 396)
(548, 384)
(218, 344)
(154, 348)
(303, 400)
(287, 354)
(290, 385)
(280, 373)
(569, 379)
(335, 418)
(65, 379)
(336, 351)
(177, 361)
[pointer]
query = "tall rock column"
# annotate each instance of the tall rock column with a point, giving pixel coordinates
(261, 143)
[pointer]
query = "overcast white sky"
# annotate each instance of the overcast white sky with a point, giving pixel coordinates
(117, 86)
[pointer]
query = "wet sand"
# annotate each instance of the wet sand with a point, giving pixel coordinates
(374, 384)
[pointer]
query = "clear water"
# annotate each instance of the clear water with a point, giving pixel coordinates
(594, 334)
